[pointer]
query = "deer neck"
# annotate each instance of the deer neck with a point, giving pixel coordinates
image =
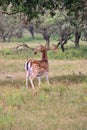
(44, 56)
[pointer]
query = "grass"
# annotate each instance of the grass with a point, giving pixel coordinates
(60, 106)
(70, 53)
(28, 38)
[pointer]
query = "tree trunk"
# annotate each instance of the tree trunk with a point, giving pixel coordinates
(47, 38)
(77, 38)
(4, 40)
(48, 42)
(32, 32)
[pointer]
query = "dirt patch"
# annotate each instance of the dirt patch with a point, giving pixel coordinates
(66, 67)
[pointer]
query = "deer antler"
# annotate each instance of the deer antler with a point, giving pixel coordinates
(54, 47)
(41, 48)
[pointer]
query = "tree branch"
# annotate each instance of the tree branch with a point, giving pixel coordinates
(23, 45)
(8, 13)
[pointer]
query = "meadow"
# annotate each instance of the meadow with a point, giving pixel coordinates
(60, 106)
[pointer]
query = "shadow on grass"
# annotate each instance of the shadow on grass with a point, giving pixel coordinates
(74, 79)
(64, 79)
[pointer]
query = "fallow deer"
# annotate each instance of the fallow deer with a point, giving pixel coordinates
(37, 68)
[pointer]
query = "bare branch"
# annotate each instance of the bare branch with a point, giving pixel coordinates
(23, 45)
(3, 12)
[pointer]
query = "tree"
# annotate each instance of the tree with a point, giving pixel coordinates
(45, 26)
(10, 26)
(35, 7)
(76, 13)
(30, 28)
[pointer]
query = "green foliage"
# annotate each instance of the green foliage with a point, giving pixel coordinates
(48, 21)
(32, 9)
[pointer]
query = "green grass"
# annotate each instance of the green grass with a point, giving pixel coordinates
(70, 53)
(28, 38)
(60, 106)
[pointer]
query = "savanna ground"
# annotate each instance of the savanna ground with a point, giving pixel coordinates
(60, 106)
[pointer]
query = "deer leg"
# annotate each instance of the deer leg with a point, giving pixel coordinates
(31, 81)
(27, 76)
(39, 80)
(46, 74)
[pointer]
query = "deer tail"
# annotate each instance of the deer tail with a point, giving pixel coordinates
(26, 66)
